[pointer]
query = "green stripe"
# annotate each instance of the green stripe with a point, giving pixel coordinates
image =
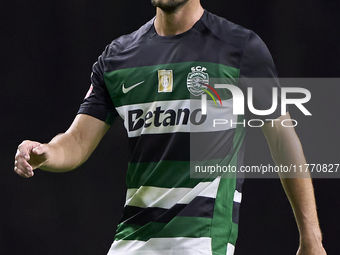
(165, 174)
(148, 91)
(223, 229)
(177, 227)
(233, 233)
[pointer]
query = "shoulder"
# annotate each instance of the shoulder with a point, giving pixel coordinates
(256, 60)
(127, 41)
(229, 32)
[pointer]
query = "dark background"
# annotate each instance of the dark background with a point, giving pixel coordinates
(47, 50)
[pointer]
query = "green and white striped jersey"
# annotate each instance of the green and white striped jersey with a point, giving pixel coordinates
(155, 85)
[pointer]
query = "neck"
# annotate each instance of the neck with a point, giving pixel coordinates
(179, 21)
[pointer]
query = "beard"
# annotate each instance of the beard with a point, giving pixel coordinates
(169, 5)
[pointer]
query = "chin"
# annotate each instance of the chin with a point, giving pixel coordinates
(169, 5)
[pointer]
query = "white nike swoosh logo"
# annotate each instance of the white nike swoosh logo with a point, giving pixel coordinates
(126, 90)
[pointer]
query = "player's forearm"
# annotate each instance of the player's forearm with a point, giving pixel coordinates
(300, 192)
(66, 153)
(301, 196)
(287, 150)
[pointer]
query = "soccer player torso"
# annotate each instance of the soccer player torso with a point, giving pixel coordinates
(156, 85)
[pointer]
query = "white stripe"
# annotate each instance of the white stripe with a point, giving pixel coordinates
(203, 189)
(213, 112)
(230, 249)
(237, 197)
(163, 246)
(148, 196)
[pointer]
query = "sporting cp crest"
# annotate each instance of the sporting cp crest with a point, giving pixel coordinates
(165, 80)
(196, 80)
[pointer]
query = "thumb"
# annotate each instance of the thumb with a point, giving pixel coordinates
(40, 150)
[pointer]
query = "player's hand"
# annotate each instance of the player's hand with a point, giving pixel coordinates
(319, 250)
(30, 155)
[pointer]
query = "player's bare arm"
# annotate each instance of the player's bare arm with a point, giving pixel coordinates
(64, 152)
(286, 149)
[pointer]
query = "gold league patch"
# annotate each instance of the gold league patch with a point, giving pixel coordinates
(165, 80)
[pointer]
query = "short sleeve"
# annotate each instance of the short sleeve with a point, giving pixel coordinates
(258, 71)
(97, 102)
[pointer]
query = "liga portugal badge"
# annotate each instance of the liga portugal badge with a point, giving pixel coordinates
(165, 80)
(89, 92)
(196, 80)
